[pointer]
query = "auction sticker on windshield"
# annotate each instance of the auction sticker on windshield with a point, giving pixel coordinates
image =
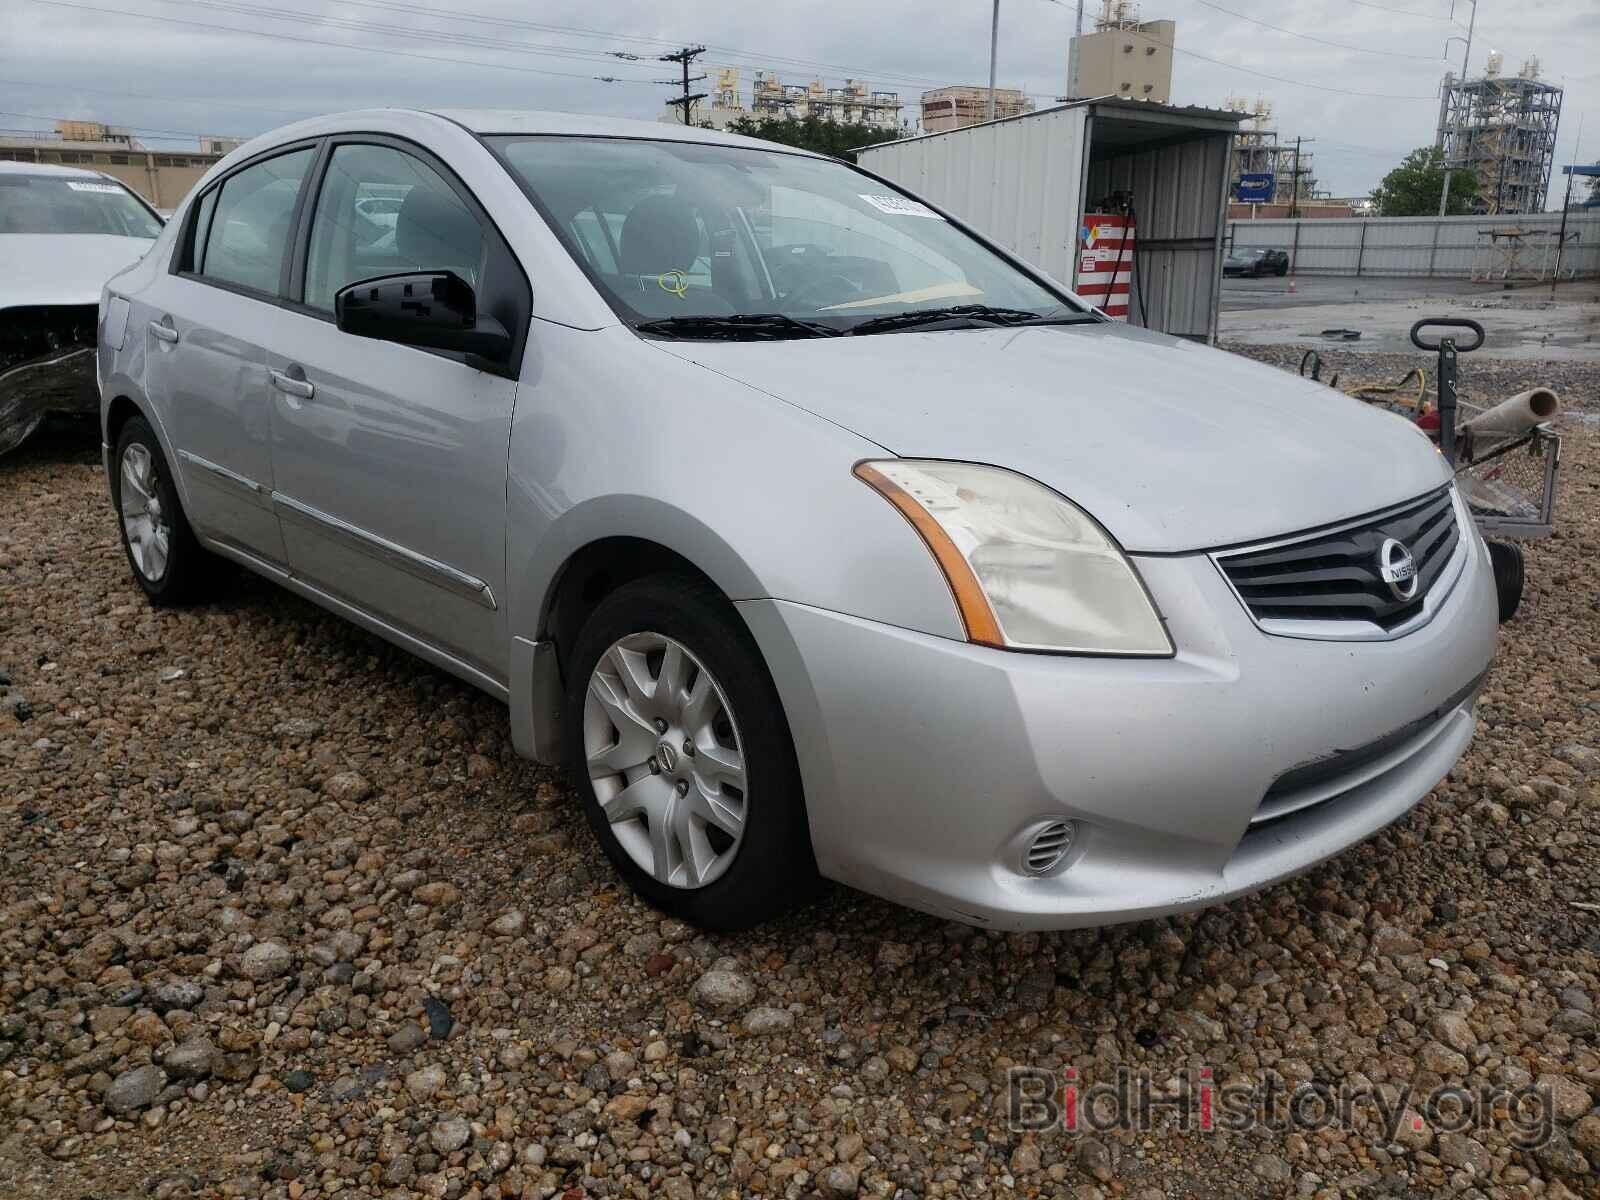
(109, 189)
(899, 206)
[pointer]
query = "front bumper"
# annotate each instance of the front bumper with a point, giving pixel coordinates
(926, 760)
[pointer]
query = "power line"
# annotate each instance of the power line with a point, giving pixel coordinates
(1405, 12)
(576, 53)
(1320, 87)
(78, 87)
(286, 37)
(159, 135)
(1311, 37)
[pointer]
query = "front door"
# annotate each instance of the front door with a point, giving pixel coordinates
(206, 363)
(390, 461)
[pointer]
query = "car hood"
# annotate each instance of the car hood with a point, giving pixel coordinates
(1171, 445)
(49, 268)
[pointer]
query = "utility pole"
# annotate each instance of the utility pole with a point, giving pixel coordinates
(1466, 61)
(685, 102)
(1072, 57)
(1294, 182)
(994, 50)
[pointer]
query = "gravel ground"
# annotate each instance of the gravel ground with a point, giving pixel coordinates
(281, 915)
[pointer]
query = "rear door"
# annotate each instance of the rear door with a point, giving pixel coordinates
(390, 461)
(206, 325)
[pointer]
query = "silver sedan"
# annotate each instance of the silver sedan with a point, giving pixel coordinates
(817, 535)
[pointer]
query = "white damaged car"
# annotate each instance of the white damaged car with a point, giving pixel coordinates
(64, 231)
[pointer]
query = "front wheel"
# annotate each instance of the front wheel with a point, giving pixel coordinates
(682, 756)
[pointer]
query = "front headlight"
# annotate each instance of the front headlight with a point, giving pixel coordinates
(1029, 569)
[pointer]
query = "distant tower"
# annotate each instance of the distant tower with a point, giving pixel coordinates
(1502, 129)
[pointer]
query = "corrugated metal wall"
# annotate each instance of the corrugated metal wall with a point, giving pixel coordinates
(1177, 196)
(1017, 181)
(1428, 247)
(1022, 183)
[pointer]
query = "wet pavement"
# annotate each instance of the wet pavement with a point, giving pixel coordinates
(1521, 323)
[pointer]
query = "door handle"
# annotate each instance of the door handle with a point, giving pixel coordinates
(164, 333)
(291, 386)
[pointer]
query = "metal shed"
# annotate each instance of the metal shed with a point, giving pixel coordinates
(1027, 181)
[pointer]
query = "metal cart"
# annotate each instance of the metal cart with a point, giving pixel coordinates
(1507, 479)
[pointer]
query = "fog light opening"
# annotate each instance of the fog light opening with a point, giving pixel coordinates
(1047, 846)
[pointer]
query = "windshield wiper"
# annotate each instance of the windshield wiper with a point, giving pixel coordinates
(982, 313)
(737, 327)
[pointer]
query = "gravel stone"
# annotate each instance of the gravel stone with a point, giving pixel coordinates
(190, 1061)
(425, 1082)
(762, 1021)
(723, 990)
(265, 960)
(449, 1135)
(347, 787)
(134, 1089)
(176, 995)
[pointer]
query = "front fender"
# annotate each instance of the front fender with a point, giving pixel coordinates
(613, 438)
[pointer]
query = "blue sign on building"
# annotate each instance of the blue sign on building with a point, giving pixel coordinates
(1255, 187)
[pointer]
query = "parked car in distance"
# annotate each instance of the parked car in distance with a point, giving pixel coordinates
(1256, 261)
(63, 232)
(814, 533)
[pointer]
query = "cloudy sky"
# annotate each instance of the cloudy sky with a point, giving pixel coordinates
(173, 68)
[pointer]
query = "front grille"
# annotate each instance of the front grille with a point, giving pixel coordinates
(1335, 576)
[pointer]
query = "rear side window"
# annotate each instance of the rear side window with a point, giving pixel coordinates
(382, 211)
(246, 229)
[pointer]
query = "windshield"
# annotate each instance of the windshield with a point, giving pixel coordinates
(59, 204)
(685, 230)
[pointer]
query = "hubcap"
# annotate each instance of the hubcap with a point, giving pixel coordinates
(148, 527)
(665, 758)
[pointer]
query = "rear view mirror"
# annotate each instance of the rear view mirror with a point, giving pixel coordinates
(433, 309)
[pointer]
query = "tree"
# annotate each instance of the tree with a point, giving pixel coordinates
(812, 133)
(1413, 188)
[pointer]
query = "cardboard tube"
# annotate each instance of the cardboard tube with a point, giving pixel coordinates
(1518, 414)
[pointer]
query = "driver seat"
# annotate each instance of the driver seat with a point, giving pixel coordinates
(659, 234)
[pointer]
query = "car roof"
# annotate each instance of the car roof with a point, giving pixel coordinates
(28, 168)
(535, 121)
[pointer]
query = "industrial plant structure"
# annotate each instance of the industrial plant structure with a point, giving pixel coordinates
(853, 103)
(957, 107)
(1266, 167)
(1502, 129)
(1124, 56)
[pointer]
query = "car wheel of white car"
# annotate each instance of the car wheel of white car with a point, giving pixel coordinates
(168, 562)
(683, 757)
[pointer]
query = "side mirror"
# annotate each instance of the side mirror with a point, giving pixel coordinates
(432, 309)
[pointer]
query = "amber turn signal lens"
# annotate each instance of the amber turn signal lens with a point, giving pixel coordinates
(972, 604)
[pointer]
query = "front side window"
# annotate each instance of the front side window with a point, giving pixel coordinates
(58, 204)
(382, 211)
(247, 227)
(681, 229)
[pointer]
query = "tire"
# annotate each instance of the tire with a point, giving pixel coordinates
(1283, 270)
(1509, 577)
(183, 572)
(719, 881)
